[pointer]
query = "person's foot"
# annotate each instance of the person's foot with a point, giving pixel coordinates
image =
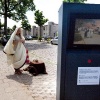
(18, 71)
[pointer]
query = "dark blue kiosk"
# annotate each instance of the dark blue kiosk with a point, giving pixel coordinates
(78, 68)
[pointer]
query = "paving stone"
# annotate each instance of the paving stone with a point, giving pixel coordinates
(5, 85)
(2, 90)
(47, 84)
(11, 89)
(6, 96)
(20, 95)
(26, 86)
(1, 81)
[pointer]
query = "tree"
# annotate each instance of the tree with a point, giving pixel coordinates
(75, 1)
(40, 20)
(1, 27)
(15, 10)
(25, 25)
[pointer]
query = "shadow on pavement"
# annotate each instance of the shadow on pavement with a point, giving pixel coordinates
(25, 78)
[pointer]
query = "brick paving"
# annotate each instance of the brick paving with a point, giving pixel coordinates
(11, 87)
(26, 86)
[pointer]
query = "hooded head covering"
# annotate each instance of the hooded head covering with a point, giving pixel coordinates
(9, 48)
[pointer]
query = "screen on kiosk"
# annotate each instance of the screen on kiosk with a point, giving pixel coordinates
(87, 31)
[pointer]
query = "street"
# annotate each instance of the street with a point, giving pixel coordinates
(26, 86)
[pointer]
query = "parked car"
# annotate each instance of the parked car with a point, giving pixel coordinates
(54, 40)
(34, 37)
(28, 37)
(4, 39)
(46, 37)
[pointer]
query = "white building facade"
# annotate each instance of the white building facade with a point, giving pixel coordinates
(50, 30)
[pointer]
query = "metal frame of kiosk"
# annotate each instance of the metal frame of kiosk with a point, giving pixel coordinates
(78, 67)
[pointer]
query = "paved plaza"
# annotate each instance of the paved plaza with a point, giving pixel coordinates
(26, 86)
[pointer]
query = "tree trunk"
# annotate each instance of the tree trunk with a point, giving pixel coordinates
(40, 34)
(5, 19)
(0, 27)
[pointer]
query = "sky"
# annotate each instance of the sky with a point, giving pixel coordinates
(50, 10)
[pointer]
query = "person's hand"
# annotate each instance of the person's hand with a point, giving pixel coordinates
(22, 40)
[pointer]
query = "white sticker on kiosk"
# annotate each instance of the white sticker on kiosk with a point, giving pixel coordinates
(88, 75)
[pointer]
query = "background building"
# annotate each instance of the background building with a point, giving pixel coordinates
(50, 30)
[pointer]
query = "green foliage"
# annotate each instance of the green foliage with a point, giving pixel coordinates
(2, 25)
(40, 20)
(25, 25)
(16, 9)
(74, 1)
(14, 27)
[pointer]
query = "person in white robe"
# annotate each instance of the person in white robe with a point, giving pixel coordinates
(15, 50)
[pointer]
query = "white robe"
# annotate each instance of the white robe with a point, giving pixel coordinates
(19, 57)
